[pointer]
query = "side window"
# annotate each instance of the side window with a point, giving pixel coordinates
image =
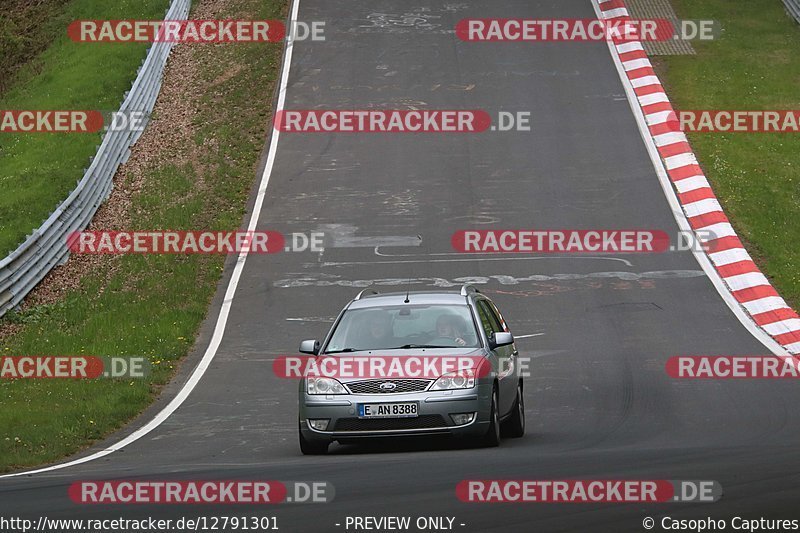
(498, 317)
(486, 324)
(490, 319)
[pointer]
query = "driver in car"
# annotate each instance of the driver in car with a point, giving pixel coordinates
(448, 326)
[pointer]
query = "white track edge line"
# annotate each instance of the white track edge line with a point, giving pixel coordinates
(222, 320)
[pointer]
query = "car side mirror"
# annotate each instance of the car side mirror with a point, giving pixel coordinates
(310, 346)
(501, 338)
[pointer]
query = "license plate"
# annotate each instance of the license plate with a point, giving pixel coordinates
(388, 410)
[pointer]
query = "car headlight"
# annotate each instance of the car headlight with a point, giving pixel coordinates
(463, 379)
(324, 386)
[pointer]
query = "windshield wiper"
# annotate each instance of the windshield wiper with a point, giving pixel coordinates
(409, 346)
(404, 347)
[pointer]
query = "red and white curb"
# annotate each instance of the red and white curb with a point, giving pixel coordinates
(742, 278)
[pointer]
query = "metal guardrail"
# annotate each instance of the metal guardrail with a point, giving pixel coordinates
(45, 248)
(793, 7)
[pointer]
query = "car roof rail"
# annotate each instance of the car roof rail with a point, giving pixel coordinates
(365, 292)
(468, 289)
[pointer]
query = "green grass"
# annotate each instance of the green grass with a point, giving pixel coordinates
(26, 30)
(754, 65)
(39, 170)
(148, 306)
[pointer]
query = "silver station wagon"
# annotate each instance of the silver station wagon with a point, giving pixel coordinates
(474, 401)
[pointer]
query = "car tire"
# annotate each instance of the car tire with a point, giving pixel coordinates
(514, 427)
(312, 448)
(492, 437)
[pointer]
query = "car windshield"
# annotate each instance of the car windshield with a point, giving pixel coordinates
(404, 327)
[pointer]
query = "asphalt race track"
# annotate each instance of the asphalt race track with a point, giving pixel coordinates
(599, 403)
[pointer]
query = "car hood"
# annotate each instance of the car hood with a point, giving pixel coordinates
(417, 352)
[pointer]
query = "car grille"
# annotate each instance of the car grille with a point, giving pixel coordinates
(383, 424)
(373, 386)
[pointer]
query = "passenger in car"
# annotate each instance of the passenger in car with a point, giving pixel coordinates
(379, 332)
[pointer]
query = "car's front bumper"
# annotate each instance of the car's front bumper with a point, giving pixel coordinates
(433, 417)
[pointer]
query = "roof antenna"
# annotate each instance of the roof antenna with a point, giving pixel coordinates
(408, 286)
